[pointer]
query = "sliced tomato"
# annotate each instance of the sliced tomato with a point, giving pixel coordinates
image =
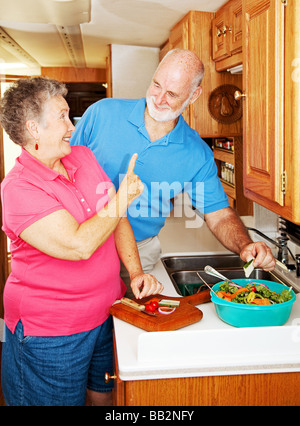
(155, 304)
(149, 307)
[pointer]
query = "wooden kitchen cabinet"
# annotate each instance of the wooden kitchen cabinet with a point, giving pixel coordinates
(233, 187)
(179, 39)
(220, 36)
(271, 105)
(281, 389)
(227, 35)
(234, 390)
(193, 33)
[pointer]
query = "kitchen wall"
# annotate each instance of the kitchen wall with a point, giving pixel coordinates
(132, 70)
(186, 232)
(17, 69)
(11, 150)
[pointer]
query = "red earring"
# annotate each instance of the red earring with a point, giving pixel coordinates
(36, 146)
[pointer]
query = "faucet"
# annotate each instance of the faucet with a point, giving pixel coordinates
(284, 251)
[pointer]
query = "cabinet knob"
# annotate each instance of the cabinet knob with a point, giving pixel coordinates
(108, 377)
(226, 29)
(219, 32)
(223, 30)
(238, 95)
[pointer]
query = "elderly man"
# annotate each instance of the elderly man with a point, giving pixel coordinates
(172, 158)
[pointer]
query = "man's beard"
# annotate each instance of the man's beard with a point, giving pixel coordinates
(167, 114)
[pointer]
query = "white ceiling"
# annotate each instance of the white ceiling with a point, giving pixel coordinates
(43, 28)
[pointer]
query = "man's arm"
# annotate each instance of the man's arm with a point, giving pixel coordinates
(228, 228)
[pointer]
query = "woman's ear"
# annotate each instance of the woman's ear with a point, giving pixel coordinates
(33, 129)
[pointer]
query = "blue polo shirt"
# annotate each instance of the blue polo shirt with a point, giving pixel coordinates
(114, 129)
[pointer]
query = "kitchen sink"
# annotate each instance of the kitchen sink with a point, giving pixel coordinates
(188, 282)
(183, 263)
(183, 270)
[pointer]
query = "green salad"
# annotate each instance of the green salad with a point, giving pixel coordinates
(252, 294)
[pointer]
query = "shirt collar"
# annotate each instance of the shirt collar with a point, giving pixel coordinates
(137, 118)
(35, 166)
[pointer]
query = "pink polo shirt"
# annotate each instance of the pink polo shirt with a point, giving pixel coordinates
(55, 297)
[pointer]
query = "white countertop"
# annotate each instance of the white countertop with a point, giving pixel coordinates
(209, 347)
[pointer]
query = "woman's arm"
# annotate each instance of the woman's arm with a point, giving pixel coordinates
(59, 234)
(142, 284)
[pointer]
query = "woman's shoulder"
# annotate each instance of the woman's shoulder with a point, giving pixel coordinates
(78, 150)
(83, 155)
(81, 152)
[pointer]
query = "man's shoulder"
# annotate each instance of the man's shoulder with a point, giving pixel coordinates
(192, 136)
(115, 103)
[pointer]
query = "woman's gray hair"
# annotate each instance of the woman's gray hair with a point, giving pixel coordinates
(24, 100)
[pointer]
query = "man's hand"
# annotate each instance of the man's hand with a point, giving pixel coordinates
(261, 254)
(227, 226)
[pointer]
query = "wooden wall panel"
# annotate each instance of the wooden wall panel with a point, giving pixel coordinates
(73, 75)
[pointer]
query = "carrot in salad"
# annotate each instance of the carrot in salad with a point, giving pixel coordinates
(261, 302)
(240, 290)
(224, 295)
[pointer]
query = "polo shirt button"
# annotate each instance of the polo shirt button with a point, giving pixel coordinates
(88, 210)
(82, 200)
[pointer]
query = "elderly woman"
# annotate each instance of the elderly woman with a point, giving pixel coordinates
(68, 229)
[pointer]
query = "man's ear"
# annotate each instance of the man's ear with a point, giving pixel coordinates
(196, 95)
(32, 127)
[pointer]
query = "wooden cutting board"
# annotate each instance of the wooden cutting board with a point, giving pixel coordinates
(185, 314)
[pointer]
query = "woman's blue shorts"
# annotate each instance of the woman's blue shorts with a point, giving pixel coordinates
(55, 371)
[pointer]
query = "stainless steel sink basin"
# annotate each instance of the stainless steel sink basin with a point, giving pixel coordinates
(182, 271)
(188, 282)
(189, 263)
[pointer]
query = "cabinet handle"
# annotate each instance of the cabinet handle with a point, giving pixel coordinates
(108, 377)
(223, 30)
(227, 29)
(238, 95)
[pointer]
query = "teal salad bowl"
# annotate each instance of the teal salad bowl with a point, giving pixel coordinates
(244, 315)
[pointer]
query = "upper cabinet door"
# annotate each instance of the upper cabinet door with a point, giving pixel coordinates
(236, 22)
(263, 83)
(220, 36)
(227, 33)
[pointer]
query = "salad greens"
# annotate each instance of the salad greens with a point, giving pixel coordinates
(252, 293)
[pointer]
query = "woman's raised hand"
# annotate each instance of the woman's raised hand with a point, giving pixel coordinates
(131, 185)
